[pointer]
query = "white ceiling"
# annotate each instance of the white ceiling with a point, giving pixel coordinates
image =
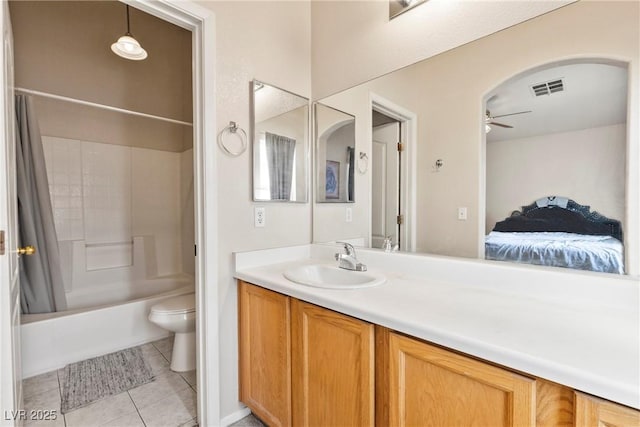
(594, 95)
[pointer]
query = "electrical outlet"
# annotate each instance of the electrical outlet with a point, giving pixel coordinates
(260, 217)
(349, 215)
(462, 214)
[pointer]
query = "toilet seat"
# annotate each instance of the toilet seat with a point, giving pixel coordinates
(177, 305)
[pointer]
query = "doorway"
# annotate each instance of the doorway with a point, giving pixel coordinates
(386, 155)
(199, 21)
(393, 169)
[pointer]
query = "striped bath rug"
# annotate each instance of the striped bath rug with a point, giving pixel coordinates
(94, 379)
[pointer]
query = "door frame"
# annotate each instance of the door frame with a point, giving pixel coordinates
(408, 165)
(201, 22)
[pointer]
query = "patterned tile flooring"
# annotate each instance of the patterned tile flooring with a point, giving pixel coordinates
(169, 401)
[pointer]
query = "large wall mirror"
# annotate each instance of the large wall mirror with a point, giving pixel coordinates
(486, 144)
(280, 144)
(335, 133)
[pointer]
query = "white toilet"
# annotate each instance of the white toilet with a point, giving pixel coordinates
(178, 315)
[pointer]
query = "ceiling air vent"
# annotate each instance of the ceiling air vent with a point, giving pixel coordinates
(548, 88)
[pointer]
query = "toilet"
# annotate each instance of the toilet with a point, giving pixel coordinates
(178, 315)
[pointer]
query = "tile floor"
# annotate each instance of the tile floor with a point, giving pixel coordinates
(248, 421)
(169, 401)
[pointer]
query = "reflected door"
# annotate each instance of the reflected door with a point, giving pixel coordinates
(385, 198)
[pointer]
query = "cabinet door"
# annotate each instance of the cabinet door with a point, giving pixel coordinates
(430, 386)
(333, 368)
(593, 412)
(265, 353)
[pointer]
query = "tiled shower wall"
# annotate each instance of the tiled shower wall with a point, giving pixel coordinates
(105, 194)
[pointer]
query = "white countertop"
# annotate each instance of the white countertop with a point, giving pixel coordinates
(578, 329)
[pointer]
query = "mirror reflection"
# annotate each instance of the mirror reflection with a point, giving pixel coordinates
(457, 182)
(335, 155)
(280, 144)
(559, 132)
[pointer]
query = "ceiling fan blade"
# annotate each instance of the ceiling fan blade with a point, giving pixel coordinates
(501, 125)
(510, 114)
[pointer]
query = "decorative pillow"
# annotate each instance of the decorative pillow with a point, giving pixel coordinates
(554, 219)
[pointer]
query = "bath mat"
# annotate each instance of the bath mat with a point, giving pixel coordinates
(103, 376)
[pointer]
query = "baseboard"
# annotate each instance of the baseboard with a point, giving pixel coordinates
(235, 416)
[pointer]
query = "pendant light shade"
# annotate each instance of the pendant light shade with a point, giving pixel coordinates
(128, 47)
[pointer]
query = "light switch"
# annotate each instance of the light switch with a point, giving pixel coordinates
(462, 214)
(349, 215)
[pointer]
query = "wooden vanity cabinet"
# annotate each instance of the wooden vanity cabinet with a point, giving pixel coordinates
(333, 368)
(324, 359)
(431, 386)
(305, 365)
(265, 353)
(593, 412)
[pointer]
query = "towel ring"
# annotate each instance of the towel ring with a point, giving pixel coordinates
(363, 163)
(233, 129)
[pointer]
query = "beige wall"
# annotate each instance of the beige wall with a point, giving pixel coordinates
(268, 41)
(447, 92)
(63, 47)
(346, 33)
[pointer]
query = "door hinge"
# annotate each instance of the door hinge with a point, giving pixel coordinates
(400, 146)
(399, 219)
(195, 250)
(1, 242)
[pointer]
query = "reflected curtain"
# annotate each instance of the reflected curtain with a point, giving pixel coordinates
(351, 162)
(280, 153)
(41, 284)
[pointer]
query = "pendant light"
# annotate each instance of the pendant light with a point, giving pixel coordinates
(128, 47)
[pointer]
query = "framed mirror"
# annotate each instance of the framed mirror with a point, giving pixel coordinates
(280, 137)
(335, 135)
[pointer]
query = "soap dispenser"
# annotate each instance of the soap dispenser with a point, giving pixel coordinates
(387, 244)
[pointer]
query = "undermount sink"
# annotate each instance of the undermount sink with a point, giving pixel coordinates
(329, 276)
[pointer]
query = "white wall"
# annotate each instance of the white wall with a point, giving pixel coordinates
(103, 193)
(586, 165)
(269, 41)
(447, 92)
(187, 219)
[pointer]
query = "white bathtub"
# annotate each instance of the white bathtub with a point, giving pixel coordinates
(52, 340)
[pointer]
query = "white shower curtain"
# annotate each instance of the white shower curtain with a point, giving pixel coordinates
(41, 284)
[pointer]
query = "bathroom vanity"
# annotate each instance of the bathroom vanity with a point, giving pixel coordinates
(473, 340)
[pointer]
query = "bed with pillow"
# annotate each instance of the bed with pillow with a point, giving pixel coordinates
(557, 231)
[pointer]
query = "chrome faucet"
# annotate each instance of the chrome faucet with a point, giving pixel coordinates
(348, 260)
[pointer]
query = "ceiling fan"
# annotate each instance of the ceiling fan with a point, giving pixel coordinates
(489, 119)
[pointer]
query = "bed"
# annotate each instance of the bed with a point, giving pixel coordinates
(557, 231)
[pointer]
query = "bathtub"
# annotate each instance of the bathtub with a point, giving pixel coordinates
(99, 321)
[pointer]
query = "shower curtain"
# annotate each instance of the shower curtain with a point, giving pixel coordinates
(280, 152)
(350, 174)
(41, 285)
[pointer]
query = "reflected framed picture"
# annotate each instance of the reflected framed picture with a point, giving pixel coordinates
(332, 180)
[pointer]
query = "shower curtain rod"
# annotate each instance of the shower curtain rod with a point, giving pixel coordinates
(96, 105)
